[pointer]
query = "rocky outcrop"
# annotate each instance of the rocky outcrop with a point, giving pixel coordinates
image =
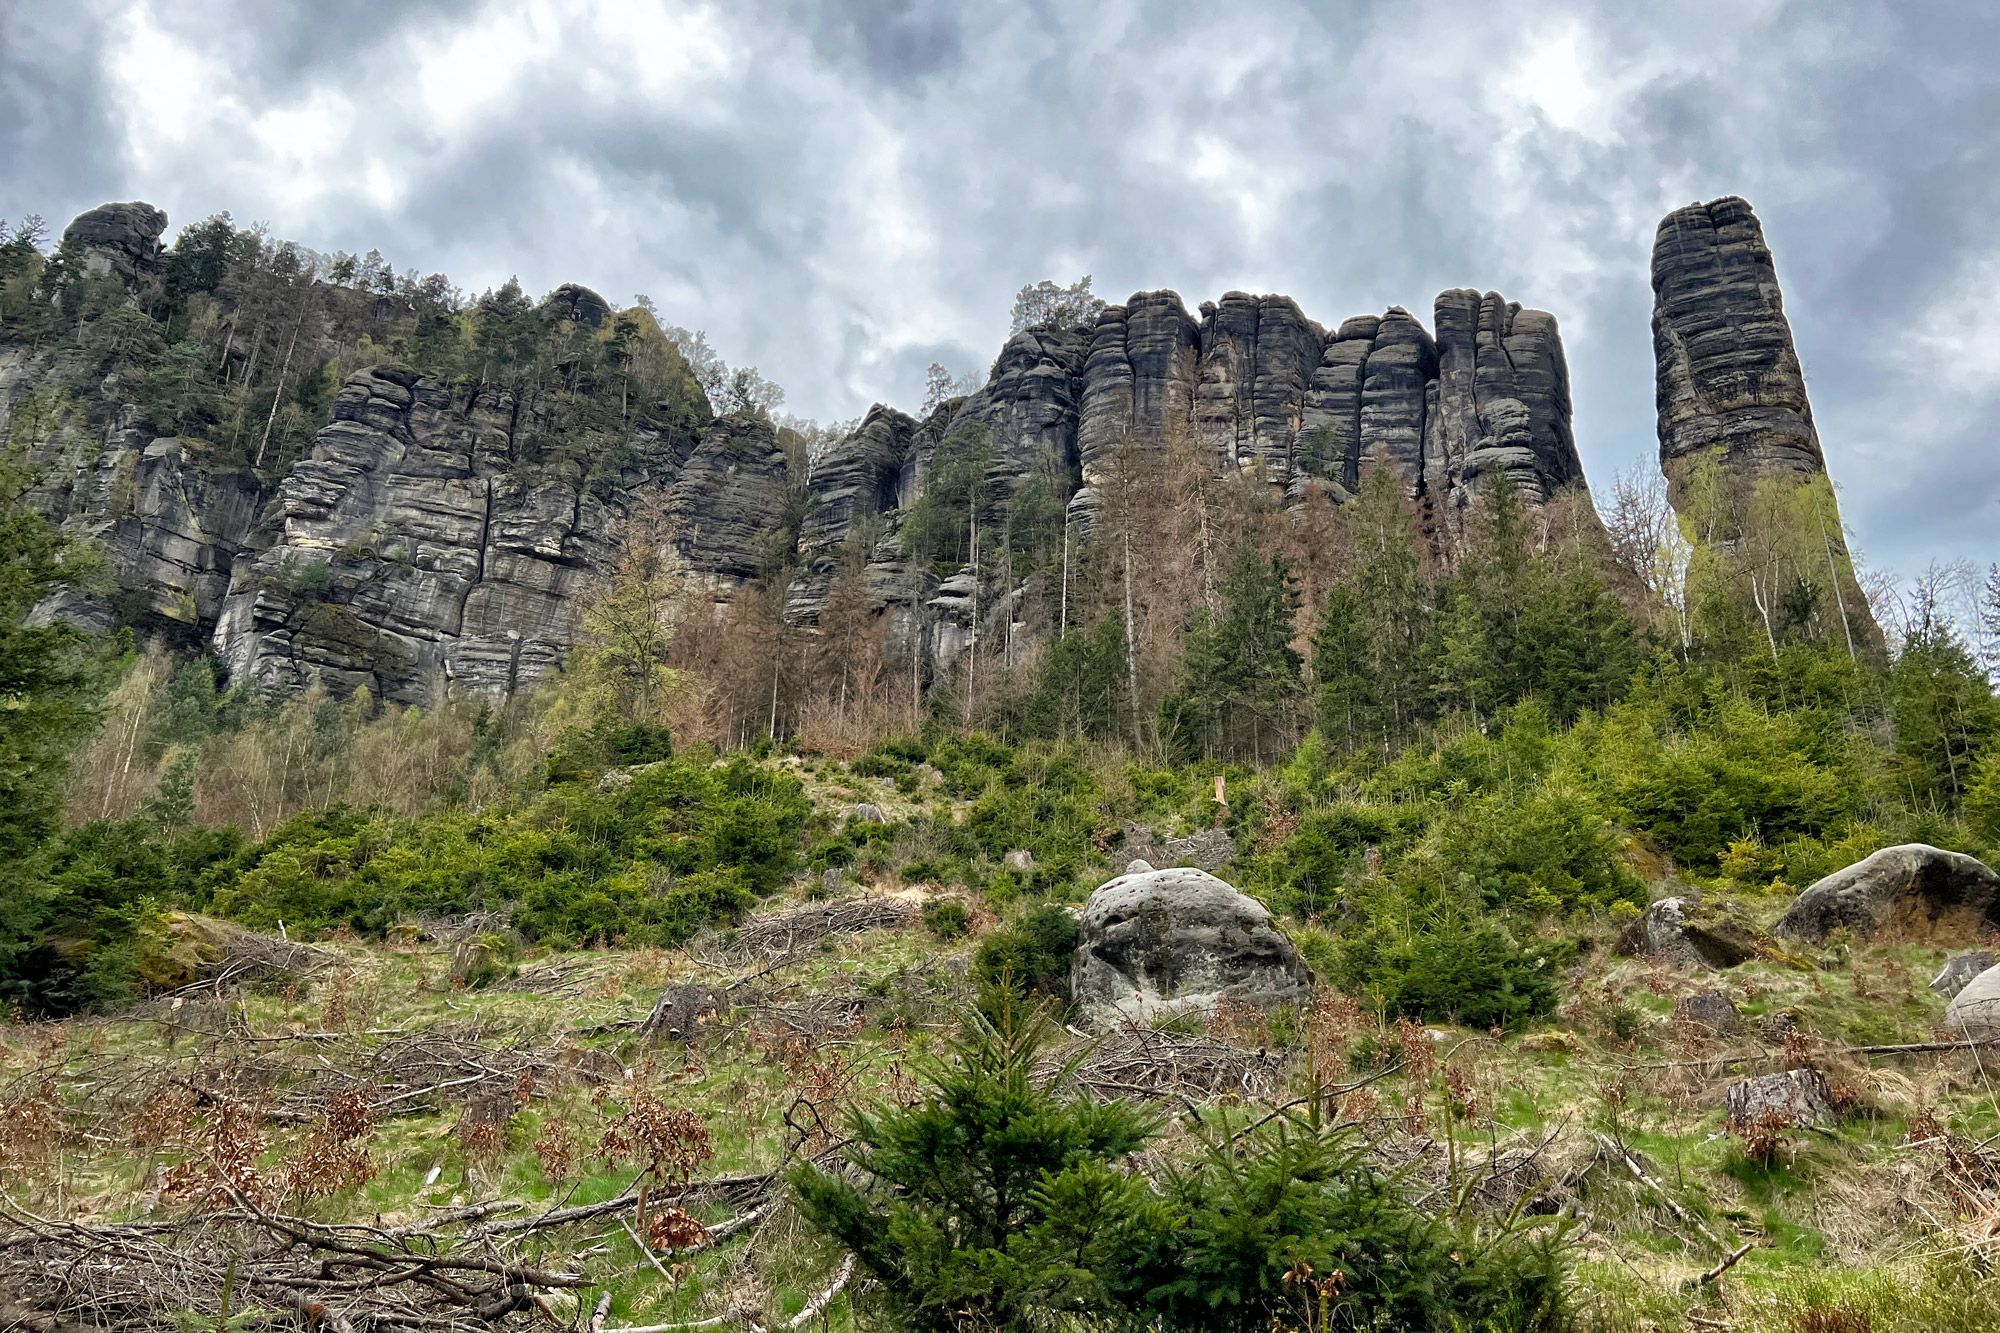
(1145, 359)
(1171, 941)
(411, 552)
(1255, 387)
(1503, 397)
(1683, 932)
(123, 239)
(170, 523)
(1728, 377)
(579, 304)
(1916, 890)
(437, 538)
(1258, 355)
(728, 502)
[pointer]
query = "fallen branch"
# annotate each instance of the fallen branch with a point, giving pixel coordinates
(1716, 1272)
(1618, 1150)
(747, 1315)
(817, 1305)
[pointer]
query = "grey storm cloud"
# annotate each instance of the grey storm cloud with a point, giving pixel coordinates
(843, 192)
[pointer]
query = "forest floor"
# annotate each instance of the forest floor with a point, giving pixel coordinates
(206, 1152)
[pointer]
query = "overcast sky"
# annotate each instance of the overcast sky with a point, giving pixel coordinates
(841, 193)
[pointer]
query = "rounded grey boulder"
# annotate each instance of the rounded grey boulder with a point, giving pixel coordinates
(1174, 941)
(1681, 932)
(1974, 1013)
(1923, 891)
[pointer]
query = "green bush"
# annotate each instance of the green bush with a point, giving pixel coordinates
(1254, 1208)
(1030, 957)
(947, 918)
(1744, 772)
(1551, 847)
(997, 1202)
(682, 845)
(1447, 966)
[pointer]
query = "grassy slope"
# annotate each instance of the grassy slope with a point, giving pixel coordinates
(1846, 1214)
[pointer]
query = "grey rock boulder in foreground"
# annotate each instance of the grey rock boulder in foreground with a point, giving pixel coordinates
(1958, 973)
(1920, 891)
(1175, 941)
(1974, 1012)
(1680, 932)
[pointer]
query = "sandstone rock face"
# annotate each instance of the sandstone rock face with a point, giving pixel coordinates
(1680, 932)
(729, 499)
(1918, 890)
(579, 304)
(123, 239)
(1728, 375)
(1974, 1013)
(409, 552)
(171, 526)
(1253, 385)
(1168, 941)
(1958, 973)
(434, 540)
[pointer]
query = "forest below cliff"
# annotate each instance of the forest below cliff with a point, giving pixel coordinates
(1455, 754)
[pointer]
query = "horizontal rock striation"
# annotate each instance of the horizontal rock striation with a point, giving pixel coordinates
(414, 554)
(1728, 378)
(1253, 385)
(439, 538)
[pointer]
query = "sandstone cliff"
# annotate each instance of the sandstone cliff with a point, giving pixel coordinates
(1728, 377)
(432, 539)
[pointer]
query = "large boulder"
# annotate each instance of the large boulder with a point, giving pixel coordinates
(1974, 1013)
(1683, 932)
(1175, 941)
(1920, 891)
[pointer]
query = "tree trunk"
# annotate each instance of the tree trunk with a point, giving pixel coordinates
(1131, 645)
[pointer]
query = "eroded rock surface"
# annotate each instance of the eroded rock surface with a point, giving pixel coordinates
(1728, 375)
(1169, 941)
(1958, 973)
(1916, 890)
(123, 239)
(1682, 932)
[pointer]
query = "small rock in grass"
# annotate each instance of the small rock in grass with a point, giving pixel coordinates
(1712, 1010)
(1795, 1097)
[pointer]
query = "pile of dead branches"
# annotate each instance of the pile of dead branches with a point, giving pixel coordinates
(1152, 1064)
(814, 1017)
(772, 940)
(457, 1270)
(452, 1062)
